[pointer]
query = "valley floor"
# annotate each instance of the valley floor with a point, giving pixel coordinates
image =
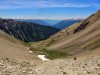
(84, 64)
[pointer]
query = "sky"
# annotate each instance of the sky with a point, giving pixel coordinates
(48, 9)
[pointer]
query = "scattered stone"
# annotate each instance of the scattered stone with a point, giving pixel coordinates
(88, 72)
(98, 73)
(64, 72)
(74, 58)
(98, 65)
(54, 67)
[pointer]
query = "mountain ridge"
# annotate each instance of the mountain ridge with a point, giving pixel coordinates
(37, 21)
(26, 31)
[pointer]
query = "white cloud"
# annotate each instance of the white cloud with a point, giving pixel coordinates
(15, 4)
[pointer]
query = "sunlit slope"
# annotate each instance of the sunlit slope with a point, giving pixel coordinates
(13, 49)
(5, 36)
(80, 37)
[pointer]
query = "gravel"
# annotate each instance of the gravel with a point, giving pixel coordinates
(83, 66)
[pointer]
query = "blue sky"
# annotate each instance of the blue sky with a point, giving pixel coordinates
(48, 9)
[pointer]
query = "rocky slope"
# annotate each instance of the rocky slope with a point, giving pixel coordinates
(83, 65)
(26, 31)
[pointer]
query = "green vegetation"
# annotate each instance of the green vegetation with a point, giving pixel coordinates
(28, 44)
(51, 54)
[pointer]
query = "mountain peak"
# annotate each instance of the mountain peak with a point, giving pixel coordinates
(99, 10)
(90, 20)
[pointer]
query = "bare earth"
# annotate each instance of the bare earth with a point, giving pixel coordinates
(14, 51)
(11, 50)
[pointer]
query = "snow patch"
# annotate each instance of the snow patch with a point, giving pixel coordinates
(30, 52)
(43, 57)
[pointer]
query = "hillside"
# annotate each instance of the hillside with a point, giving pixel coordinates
(77, 38)
(26, 31)
(66, 23)
(5, 36)
(80, 37)
(11, 48)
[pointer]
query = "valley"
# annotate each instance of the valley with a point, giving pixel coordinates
(28, 48)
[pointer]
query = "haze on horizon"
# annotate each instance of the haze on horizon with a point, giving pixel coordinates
(48, 9)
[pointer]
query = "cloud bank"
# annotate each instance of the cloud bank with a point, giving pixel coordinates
(16, 4)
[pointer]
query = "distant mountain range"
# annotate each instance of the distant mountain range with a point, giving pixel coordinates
(47, 22)
(60, 24)
(65, 23)
(37, 21)
(26, 31)
(52, 22)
